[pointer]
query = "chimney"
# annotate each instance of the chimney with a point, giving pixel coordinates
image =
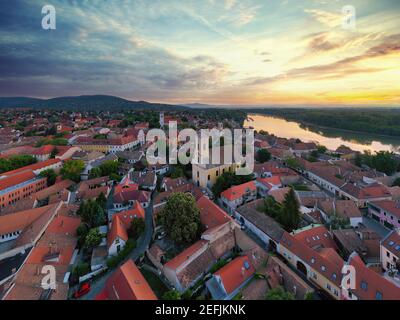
(243, 270)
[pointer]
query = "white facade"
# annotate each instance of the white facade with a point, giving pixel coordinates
(117, 245)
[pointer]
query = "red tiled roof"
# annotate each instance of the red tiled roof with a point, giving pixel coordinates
(43, 150)
(64, 225)
(126, 217)
(186, 254)
(117, 230)
(239, 191)
(316, 237)
(235, 273)
(127, 283)
(313, 258)
(369, 283)
(20, 220)
(33, 167)
(392, 207)
(210, 214)
(16, 178)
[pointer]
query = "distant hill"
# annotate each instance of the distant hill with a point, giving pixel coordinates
(94, 102)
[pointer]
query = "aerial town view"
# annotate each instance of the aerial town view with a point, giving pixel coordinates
(200, 151)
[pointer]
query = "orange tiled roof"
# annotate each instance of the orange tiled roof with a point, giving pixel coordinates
(369, 283)
(20, 220)
(127, 216)
(15, 179)
(235, 273)
(239, 191)
(210, 214)
(117, 230)
(127, 283)
(185, 255)
(33, 167)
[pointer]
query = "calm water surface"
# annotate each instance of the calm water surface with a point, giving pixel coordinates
(331, 138)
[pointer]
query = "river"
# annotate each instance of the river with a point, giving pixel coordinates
(328, 137)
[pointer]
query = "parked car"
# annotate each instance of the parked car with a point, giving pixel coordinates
(83, 289)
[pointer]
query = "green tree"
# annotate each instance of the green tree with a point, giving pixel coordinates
(102, 200)
(290, 216)
(136, 229)
(263, 155)
(93, 238)
(396, 183)
(177, 172)
(91, 213)
(53, 153)
(272, 208)
(279, 293)
(293, 163)
(181, 218)
(171, 295)
(16, 162)
(72, 170)
(51, 176)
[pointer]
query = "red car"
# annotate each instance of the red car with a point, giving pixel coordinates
(84, 289)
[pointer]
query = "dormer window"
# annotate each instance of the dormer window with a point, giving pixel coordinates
(364, 285)
(323, 268)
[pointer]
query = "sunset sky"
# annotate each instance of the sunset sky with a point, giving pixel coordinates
(247, 52)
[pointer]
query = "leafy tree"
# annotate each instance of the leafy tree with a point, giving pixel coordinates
(290, 214)
(177, 172)
(51, 176)
(309, 296)
(72, 170)
(383, 161)
(95, 173)
(16, 162)
(91, 213)
(396, 183)
(106, 169)
(93, 238)
(181, 218)
(81, 269)
(54, 142)
(293, 163)
(171, 295)
(82, 232)
(272, 207)
(53, 153)
(339, 223)
(102, 200)
(279, 293)
(263, 155)
(321, 149)
(136, 229)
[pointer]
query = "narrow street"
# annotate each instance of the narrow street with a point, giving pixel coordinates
(142, 245)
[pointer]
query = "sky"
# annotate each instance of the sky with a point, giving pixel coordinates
(244, 52)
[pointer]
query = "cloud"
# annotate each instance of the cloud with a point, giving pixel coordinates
(338, 69)
(329, 19)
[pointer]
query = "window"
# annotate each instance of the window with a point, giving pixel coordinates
(328, 286)
(388, 254)
(312, 260)
(364, 285)
(323, 268)
(378, 296)
(208, 178)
